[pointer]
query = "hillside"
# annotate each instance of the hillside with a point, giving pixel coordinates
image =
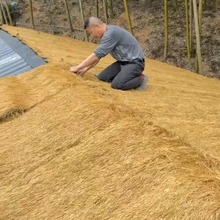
(148, 24)
(82, 150)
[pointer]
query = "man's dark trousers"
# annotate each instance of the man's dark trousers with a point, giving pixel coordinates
(124, 75)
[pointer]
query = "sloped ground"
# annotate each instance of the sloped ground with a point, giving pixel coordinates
(82, 150)
(147, 19)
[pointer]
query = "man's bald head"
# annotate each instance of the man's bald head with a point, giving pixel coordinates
(95, 27)
(92, 21)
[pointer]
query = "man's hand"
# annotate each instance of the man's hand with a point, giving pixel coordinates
(77, 70)
(81, 72)
(83, 67)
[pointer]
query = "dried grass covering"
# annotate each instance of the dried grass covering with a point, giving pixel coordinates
(19, 94)
(84, 151)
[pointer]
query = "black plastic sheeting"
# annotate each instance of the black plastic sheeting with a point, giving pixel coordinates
(16, 57)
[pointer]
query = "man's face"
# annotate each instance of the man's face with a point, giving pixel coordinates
(95, 31)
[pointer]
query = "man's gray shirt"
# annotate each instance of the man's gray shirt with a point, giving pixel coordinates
(122, 45)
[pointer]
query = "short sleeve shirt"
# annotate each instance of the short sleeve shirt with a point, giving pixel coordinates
(121, 44)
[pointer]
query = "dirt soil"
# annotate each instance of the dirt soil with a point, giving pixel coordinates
(148, 26)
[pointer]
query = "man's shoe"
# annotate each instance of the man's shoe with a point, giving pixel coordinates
(143, 85)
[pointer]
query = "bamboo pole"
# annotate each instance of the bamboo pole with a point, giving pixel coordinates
(187, 31)
(128, 16)
(31, 13)
(166, 28)
(3, 12)
(176, 5)
(200, 29)
(105, 11)
(68, 15)
(200, 15)
(215, 4)
(8, 13)
(190, 22)
(82, 16)
(111, 8)
(97, 8)
(198, 48)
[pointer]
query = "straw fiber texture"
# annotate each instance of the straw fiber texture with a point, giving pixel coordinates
(73, 148)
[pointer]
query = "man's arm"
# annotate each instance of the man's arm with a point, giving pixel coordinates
(84, 66)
